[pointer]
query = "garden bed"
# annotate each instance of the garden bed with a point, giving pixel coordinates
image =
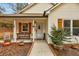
(68, 50)
(14, 49)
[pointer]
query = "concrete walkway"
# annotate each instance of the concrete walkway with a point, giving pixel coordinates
(41, 48)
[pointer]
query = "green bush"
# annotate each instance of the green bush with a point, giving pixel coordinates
(58, 36)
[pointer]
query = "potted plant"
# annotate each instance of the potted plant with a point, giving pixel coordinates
(58, 36)
(6, 35)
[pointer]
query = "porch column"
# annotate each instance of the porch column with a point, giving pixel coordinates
(71, 26)
(33, 31)
(49, 30)
(14, 31)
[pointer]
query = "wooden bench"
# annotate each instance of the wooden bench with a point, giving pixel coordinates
(23, 36)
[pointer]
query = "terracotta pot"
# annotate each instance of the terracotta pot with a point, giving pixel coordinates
(6, 43)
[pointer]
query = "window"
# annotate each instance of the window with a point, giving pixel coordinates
(25, 27)
(66, 26)
(75, 27)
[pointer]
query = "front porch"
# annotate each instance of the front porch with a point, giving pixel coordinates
(25, 29)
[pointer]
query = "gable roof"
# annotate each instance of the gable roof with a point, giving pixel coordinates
(29, 6)
(51, 8)
(55, 6)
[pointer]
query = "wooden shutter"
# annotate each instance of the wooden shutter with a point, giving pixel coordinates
(19, 27)
(30, 29)
(59, 23)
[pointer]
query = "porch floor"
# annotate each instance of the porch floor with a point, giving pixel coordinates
(41, 48)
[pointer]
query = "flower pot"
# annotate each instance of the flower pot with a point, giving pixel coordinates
(6, 43)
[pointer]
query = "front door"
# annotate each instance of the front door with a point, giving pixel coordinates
(39, 31)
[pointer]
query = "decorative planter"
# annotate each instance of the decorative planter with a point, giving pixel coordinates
(6, 43)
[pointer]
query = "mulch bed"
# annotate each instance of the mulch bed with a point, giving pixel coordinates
(68, 50)
(14, 49)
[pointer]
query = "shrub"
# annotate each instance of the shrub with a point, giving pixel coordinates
(58, 36)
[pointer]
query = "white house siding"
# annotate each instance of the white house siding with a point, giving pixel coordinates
(64, 11)
(38, 8)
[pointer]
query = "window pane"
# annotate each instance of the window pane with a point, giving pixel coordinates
(67, 26)
(67, 29)
(76, 31)
(25, 27)
(75, 27)
(66, 23)
(75, 23)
